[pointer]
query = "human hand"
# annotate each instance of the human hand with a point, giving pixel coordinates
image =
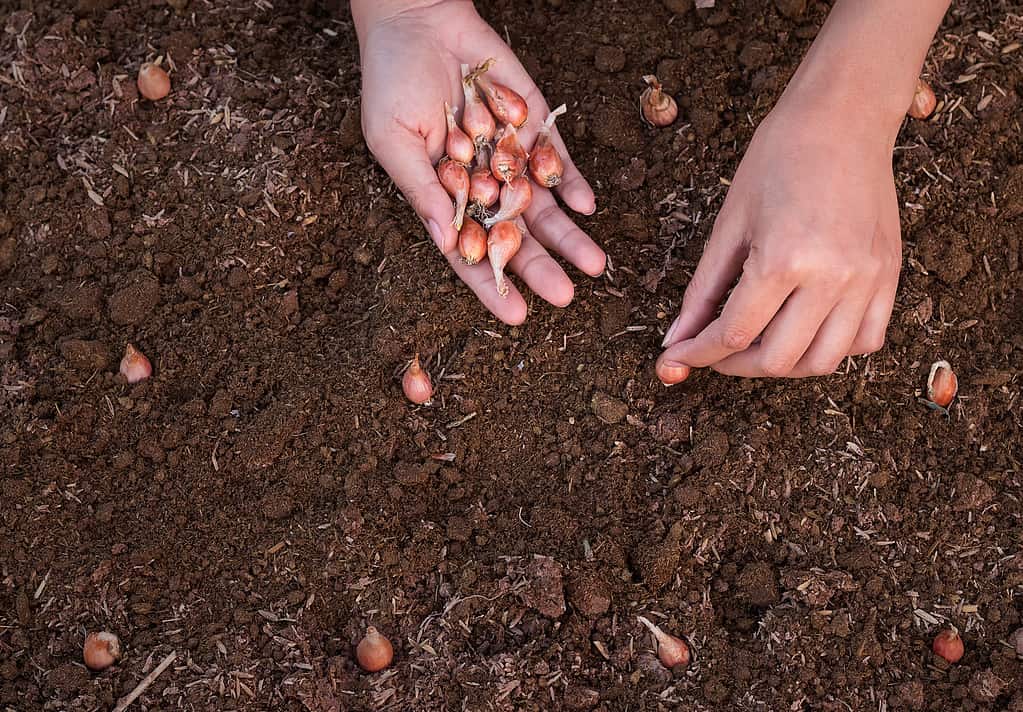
(411, 59)
(810, 227)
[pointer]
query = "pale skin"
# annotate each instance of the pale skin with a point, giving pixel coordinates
(803, 261)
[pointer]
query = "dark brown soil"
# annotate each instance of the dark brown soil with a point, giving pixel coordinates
(269, 492)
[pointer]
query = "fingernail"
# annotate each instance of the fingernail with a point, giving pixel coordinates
(671, 331)
(592, 210)
(671, 373)
(436, 233)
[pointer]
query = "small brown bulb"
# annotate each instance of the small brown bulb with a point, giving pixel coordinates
(657, 107)
(924, 101)
(101, 650)
(942, 385)
(154, 83)
(416, 383)
(374, 651)
(948, 645)
(671, 651)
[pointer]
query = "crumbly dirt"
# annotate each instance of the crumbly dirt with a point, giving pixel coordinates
(268, 493)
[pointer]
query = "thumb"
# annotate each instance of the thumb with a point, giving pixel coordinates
(407, 162)
(719, 266)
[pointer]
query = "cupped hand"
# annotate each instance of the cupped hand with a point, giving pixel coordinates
(809, 238)
(411, 59)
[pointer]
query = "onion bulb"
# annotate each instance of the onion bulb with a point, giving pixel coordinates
(458, 145)
(472, 242)
(154, 83)
(656, 106)
(545, 163)
(484, 190)
(416, 383)
(477, 120)
(101, 650)
(455, 180)
(374, 651)
(515, 198)
(505, 103)
(503, 241)
(509, 159)
(135, 366)
(924, 101)
(948, 645)
(671, 651)
(942, 385)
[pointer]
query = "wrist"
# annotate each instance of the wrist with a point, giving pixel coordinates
(366, 13)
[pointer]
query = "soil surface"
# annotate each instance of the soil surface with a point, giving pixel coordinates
(269, 493)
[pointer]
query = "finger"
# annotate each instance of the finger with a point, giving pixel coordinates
(870, 337)
(510, 309)
(719, 266)
(507, 70)
(541, 273)
(556, 231)
(406, 159)
(748, 311)
(834, 340)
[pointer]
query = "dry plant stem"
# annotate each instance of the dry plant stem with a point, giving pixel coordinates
(148, 680)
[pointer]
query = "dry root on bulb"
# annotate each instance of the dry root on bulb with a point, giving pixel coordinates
(657, 107)
(545, 164)
(503, 242)
(484, 190)
(509, 159)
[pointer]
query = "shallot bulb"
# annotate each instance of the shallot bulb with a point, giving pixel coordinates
(509, 159)
(506, 104)
(515, 198)
(545, 163)
(416, 383)
(135, 366)
(458, 145)
(472, 242)
(503, 242)
(656, 106)
(455, 180)
(948, 645)
(484, 190)
(374, 651)
(924, 101)
(477, 120)
(942, 385)
(672, 651)
(101, 650)
(153, 82)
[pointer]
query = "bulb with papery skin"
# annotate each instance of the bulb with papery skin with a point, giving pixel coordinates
(509, 159)
(472, 242)
(374, 652)
(135, 366)
(924, 101)
(101, 650)
(942, 384)
(459, 146)
(505, 103)
(503, 242)
(484, 190)
(515, 198)
(545, 164)
(455, 179)
(657, 107)
(477, 120)
(153, 82)
(948, 645)
(416, 384)
(671, 651)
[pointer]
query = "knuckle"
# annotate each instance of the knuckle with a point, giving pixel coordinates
(871, 343)
(824, 365)
(777, 366)
(735, 337)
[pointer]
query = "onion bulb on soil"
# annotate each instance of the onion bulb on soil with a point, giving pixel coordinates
(545, 163)
(509, 159)
(503, 241)
(458, 145)
(942, 385)
(374, 651)
(477, 120)
(671, 651)
(153, 82)
(455, 179)
(948, 645)
(416, 383)
(924, 101)
(101, 650)
(657, 107)
(484, 190)
(515, 198)
(135, 366)
(472, 242)
(505, 103)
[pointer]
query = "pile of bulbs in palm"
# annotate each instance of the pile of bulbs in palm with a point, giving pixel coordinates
(487, 167)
